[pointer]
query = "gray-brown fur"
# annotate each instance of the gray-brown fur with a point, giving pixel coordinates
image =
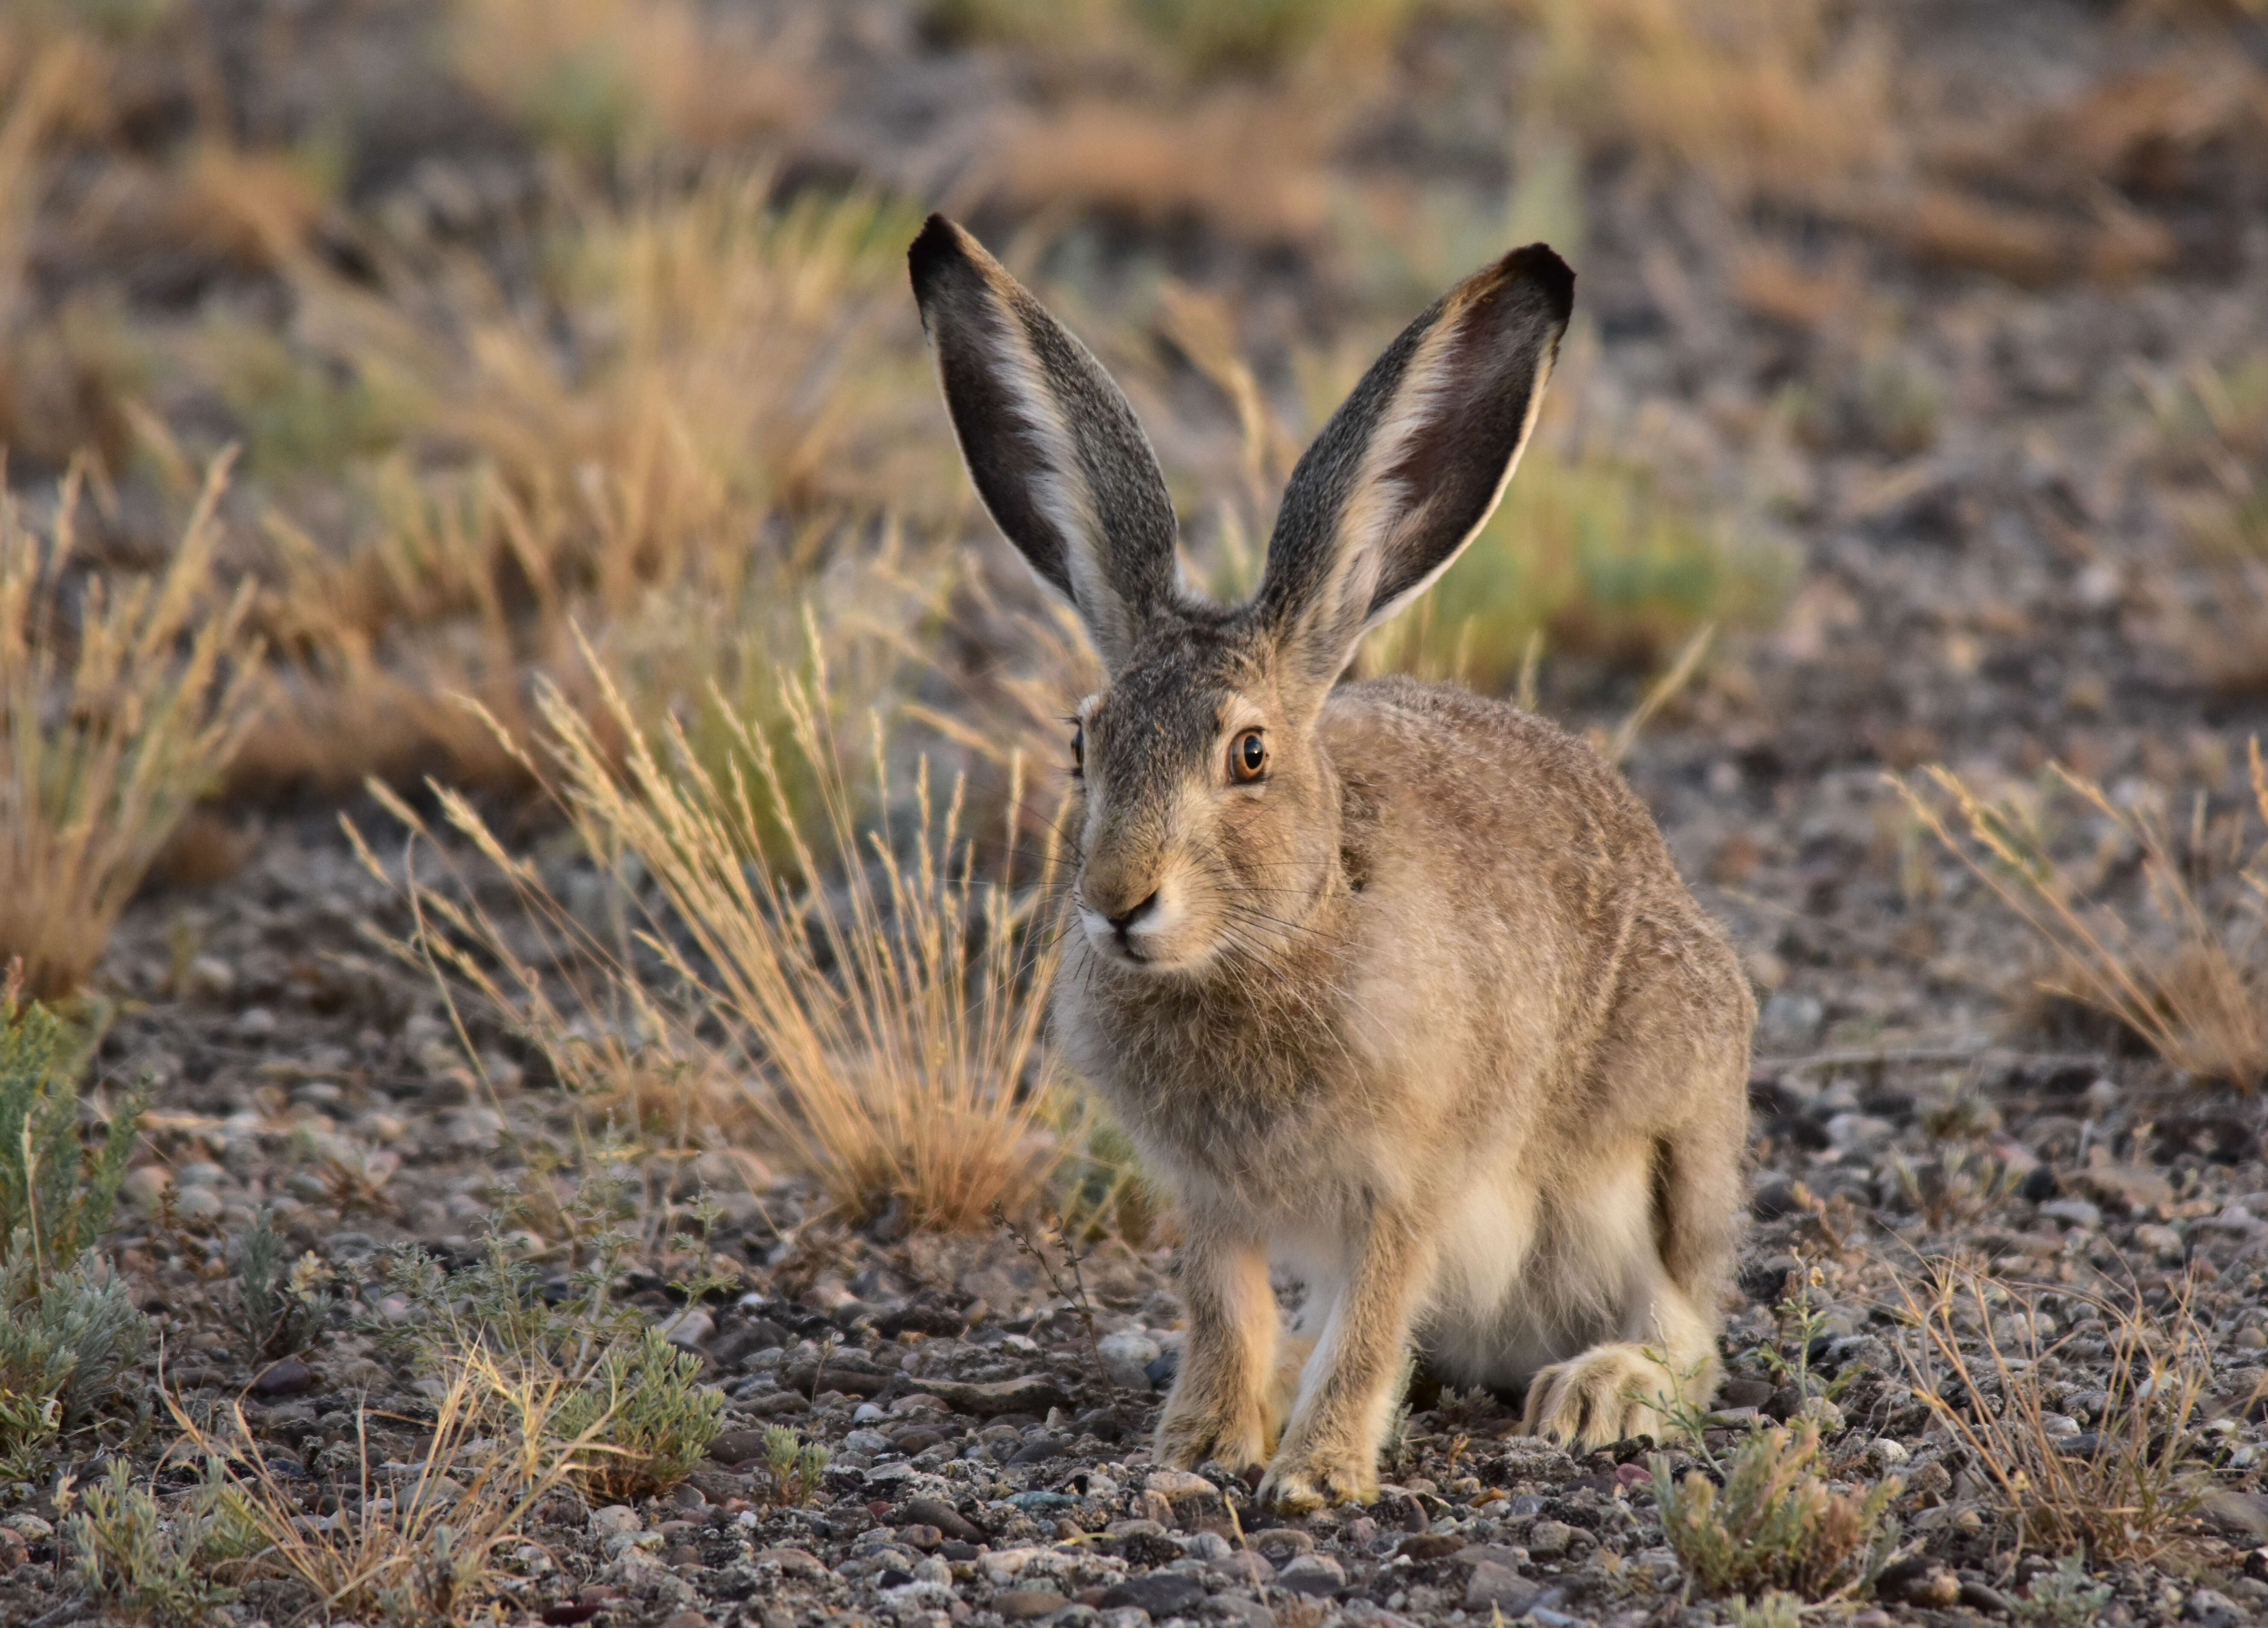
(1423, 1013)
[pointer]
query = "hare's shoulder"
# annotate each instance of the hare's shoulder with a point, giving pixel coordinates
(1471, 758)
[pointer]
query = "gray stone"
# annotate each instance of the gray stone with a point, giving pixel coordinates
(1034, 1395)
(1312, 1573)
(1494, 1588)
(1019, 1605)
(1240, 1611)
(198, 1203)
(1160, 1594)
(611, 1519)
(1548, 1538)
(2074, 1212)
(145, 1184)
(1244, 1567)
(1280, 1544)
(1126, 1358)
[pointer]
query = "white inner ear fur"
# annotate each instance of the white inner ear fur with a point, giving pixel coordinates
(1393, 607)
(1060, 489)
(1384, 511)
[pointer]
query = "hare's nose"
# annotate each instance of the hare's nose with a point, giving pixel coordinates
(1125, 921)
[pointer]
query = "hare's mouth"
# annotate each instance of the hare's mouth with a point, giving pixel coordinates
(1149, 934)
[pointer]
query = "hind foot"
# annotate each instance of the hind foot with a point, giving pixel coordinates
(1610, 1393)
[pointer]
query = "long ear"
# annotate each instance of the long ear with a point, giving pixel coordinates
(1049, 440)
(1413, 462)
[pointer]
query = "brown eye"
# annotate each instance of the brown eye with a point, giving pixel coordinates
(1247, 756)
(1079, 748)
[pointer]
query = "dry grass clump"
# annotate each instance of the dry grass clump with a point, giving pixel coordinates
(868, 1002)
(1196, 38)
(2191, 977)
(2211, 428)
(1168, 111)
(410, 1543)
(1775, 1525)
(1775, 99)
(738, 387)
(624, 81)
(58, 371)
(1797, 103)
(121, 701)
(1981, 1353)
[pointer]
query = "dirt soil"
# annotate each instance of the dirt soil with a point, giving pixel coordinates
(2012, 592)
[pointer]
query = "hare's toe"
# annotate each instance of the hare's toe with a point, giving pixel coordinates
(1296, 1484)
(1608, 1394)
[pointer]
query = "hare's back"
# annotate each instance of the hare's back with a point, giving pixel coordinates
(1511, 874)
(1475, 791)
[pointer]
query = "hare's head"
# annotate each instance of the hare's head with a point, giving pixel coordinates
(1210, 822)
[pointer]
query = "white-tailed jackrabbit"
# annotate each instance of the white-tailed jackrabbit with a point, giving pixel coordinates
(1392, 985)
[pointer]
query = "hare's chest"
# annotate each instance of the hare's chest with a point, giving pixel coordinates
(1218, 1106)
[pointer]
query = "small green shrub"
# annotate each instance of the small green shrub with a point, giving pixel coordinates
(1775, 1524)
(150, 1567)
(794, 1467)
(625, 1401)
(67, 1341)
(285, 1306)
(54, 1190)
(2066, 1597)
(29, 1424)
(647, 1415)
(495, 1306)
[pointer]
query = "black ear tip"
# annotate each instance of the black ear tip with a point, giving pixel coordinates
(937, 246)
(1538, 267)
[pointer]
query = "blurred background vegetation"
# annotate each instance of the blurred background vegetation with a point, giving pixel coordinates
(532, 314)
(538, 322)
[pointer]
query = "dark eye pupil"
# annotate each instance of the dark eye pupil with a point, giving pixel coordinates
(1078, 746)
(1253, 753)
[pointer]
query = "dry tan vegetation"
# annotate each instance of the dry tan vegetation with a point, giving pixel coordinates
(417, 1543)
(742, 390)
(121, 702)
(2210, 427)
(2189, 978)
(1981, 1353)
(867, 1002)
(615, 83)
(1767, 98)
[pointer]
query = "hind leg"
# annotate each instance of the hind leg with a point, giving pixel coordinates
(1668, 1353)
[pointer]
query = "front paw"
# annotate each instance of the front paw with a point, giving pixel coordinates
(1299, 1482)
(1187, 1437)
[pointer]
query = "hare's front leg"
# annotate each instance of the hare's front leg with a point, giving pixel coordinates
(1219, 1408)
(1329, 1452)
